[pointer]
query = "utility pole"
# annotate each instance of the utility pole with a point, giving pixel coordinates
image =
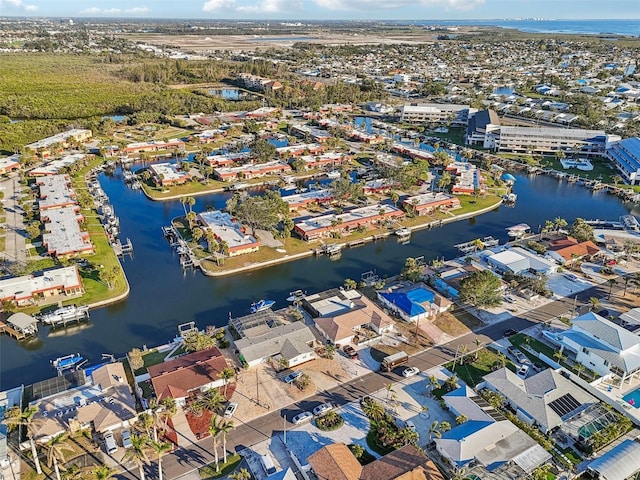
(284, 427)
(257, 388)
(575, 301)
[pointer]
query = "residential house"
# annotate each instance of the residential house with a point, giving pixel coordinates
(55, 166)
(625, 155)
(104, 402)
(154, 146)
(9, 164)
(620, 463)
(602, 346)
(300, 149)
(414, 302)
(336, 462)
(362, 217)
(251, 170)
(167, 174)
(326, 160)
(467, 179)
(195, 372)
(39, 286)
(228, 231)
(436, 113)
(518, 261)
(569, 250)
(291, 342)
(428, 203)
(546, 399)
(346, 327)
(300, 200)
(58, 142)
(486, 437)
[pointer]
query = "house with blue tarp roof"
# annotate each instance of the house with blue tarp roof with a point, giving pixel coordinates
(415, 302)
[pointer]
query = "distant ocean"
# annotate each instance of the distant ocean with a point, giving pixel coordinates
(595, 27)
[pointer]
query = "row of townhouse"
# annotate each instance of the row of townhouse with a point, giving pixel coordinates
(226, 229)
(60, 213)
(352, 133)
(32, 288)
(167, 174)
(436, 113)
(251, 170)
(56, 143)
(154, 146)
(260, 84)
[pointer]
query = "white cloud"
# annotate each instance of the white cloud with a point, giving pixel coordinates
(19, 4)
(272, 6)
(213, 5)
(114, 11)
(375, 4)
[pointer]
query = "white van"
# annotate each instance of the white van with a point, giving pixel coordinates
(267, 464)
(110, 443)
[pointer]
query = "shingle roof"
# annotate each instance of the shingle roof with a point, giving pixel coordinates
(397, 464)
(335, 462)
(272, 342)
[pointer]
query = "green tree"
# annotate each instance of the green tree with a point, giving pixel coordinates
(138, 453)
(350, 284)
(160, 448)
(242, 474)
(434, 431)
(103, 472)
(581, 230)
(259, 211)
(460, 419)
(215, 428)
(481, 289)
(611, 282)
(14, 418)
(594, 301)
(197, 341)
(262, 150)
(56, 447)
(225, 428)
(226, 374)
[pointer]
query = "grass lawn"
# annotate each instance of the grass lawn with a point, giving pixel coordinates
(469, 204)
(152, 357)
(209, 471)
(571, 454)
(457, 324)
(189, 188)
(372, 443)
(601, 169)
(472, 373)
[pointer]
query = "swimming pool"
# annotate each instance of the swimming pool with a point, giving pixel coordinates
(633, 398)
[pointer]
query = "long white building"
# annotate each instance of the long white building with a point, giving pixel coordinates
(437, 113)
(625, 154)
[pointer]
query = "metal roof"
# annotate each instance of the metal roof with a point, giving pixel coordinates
(619, 463)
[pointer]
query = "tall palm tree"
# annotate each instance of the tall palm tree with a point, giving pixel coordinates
(56, 446)
(226, 374)
(225, 428)
(389, 388)
(145, 422)
(103, 472)
(434, 431)
(242, 474)
(138, 452)
(594, 302)
(169, 410)
(160, 448)
(14, 418)
(214, 430)
(611, 282)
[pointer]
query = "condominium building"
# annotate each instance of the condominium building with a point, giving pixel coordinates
(437, 113)
(625, 154)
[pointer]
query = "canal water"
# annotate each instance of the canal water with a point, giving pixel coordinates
(163, 296)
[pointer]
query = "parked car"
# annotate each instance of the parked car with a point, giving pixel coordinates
(510, 298)
(365, 400)
(350, 352)
(570, 276)
(231, 409)
(322, 409)
(523, 371)
(110, 443)
(410, 372)
(518, 355)
(302, 417)
(126, 438)
(292, 376)
(509, 332)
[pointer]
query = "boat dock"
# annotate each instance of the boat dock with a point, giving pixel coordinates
(13, 332)
(65, 315)
(331, 249)
(122, 249)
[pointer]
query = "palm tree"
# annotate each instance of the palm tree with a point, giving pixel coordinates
(372, 409)
(214, 429)
(212, 399)
(15, 418)
(611, 282)
(434, 432)
(169, 410)
(225, 428)
(477, 342)
(594, 301)
(460, 419)
(103, 472)
(138, 452)
(444, 426)
(560, 356)
(145, 422)
(226, 374)
(242, 474)
(389, 388)
(56, 446)
(160, 448)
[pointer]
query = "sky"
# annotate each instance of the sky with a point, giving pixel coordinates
(326, 9)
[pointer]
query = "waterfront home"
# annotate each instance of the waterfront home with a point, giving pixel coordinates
(315, 134)
(428, 203)
(486, 437)
(378, 185)
(9, 164)
(601, 346)
(39, 286)
(337, 462)
(326, 160)
(211, 135)
(291, 343)
(102, 402)
(412, 152)
(300, 149)
(330, 303)
(467, 179)
(62, 236)
(300, 200)
(195, 372)
(225, 229)
(226, 159)
(167, 174)
(625, 155)
(8, 399)
(251, 170)
(58, 142)
(518, 261)
(547, 399)
(364, 217)
(414, 302)
(154, 146)
(55, 166)
(569, 250)
(365, 137)
(347, 326)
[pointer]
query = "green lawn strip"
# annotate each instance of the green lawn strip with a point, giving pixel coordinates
(209, 471)
(152, 357)
(471, 373)
(571, 454)
(519, 339)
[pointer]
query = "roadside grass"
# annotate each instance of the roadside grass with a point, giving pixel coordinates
(471, 370)
(456, 325)
(209, 471)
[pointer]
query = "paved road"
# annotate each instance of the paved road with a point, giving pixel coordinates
(186, 460)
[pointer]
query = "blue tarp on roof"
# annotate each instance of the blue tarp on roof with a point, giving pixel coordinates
(404, 303)
(421, 295)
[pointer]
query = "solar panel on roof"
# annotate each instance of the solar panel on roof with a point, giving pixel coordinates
(564, 405)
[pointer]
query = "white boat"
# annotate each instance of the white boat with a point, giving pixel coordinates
(67, 362)
(403, 232)
(510, 198)
(332, 249)
(261, 305)
(295, 296)
(518, 231)
(333, 174)
(490, 241)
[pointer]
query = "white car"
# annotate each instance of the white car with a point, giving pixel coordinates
(126, 438)
(322, 409)
(523, 371)
(302, 417)
(410, 372)
(231, 409)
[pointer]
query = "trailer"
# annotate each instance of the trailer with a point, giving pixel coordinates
(390, 362)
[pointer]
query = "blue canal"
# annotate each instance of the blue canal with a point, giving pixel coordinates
(163, 296)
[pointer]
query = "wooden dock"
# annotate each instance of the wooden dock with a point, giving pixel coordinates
(9, 330)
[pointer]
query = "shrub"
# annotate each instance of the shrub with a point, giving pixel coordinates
(331, 421)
